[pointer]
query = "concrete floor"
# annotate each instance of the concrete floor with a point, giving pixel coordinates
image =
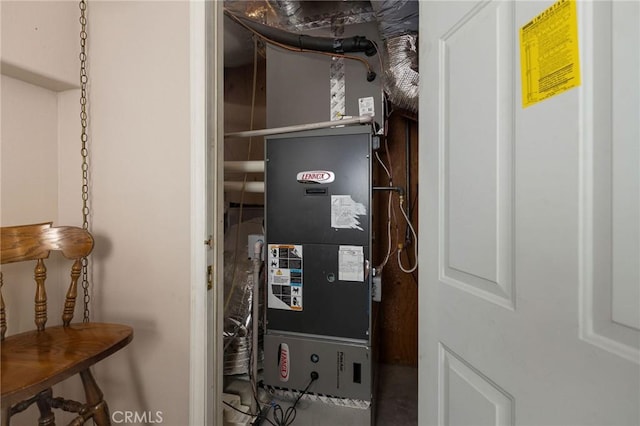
(397, 396)
(397, 403)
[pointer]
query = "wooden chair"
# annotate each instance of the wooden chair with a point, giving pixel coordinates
(32, 362)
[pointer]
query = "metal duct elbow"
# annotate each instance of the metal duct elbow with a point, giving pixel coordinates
(398, 25)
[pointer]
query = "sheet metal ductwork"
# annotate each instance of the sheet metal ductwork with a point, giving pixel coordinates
(397, 22)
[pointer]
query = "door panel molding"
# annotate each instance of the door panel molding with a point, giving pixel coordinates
(476, 252)
(489, 401)
(609, 202)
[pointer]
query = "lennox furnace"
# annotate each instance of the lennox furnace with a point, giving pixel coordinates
(318, 255)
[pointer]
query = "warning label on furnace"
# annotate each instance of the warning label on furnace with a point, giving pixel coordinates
(285, 277)
(549, 58)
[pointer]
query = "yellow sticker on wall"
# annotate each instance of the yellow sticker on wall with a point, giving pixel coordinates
(549, 58)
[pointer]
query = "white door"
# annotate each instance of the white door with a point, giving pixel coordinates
(530, 222)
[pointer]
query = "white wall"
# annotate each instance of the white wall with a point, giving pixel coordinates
(29, 153)
(40, 42)
(140, 175)
(40, 68)
(140, 131)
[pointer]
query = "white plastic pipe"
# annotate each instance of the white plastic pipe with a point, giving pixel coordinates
(236, 186)
(244, 166)
(361, 119)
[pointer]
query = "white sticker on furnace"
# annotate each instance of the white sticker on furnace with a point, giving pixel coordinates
(351, 263)
(366, 106)
(345, 212)
(285, 277)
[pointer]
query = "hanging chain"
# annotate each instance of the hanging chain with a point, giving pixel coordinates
(84, 151)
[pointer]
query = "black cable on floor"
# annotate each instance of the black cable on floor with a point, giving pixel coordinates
(286, 418)
(257, 416)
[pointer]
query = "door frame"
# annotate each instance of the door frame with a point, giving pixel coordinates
(206, 143)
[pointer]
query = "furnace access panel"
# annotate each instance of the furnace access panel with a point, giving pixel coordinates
(318, 232)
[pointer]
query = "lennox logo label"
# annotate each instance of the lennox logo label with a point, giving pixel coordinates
(316, 176)
(284, 362)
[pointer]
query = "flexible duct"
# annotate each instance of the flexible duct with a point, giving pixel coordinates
(239, 288)
(398, 25)
(308, 15)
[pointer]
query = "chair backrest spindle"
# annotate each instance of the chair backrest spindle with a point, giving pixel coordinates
(35, 242)
(72, 293)
(40, 274)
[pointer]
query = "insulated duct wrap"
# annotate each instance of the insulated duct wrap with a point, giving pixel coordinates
(396, 17)
(398, 24)
(238, 298)
(402, 79)
(290, 11)
(307, 15)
